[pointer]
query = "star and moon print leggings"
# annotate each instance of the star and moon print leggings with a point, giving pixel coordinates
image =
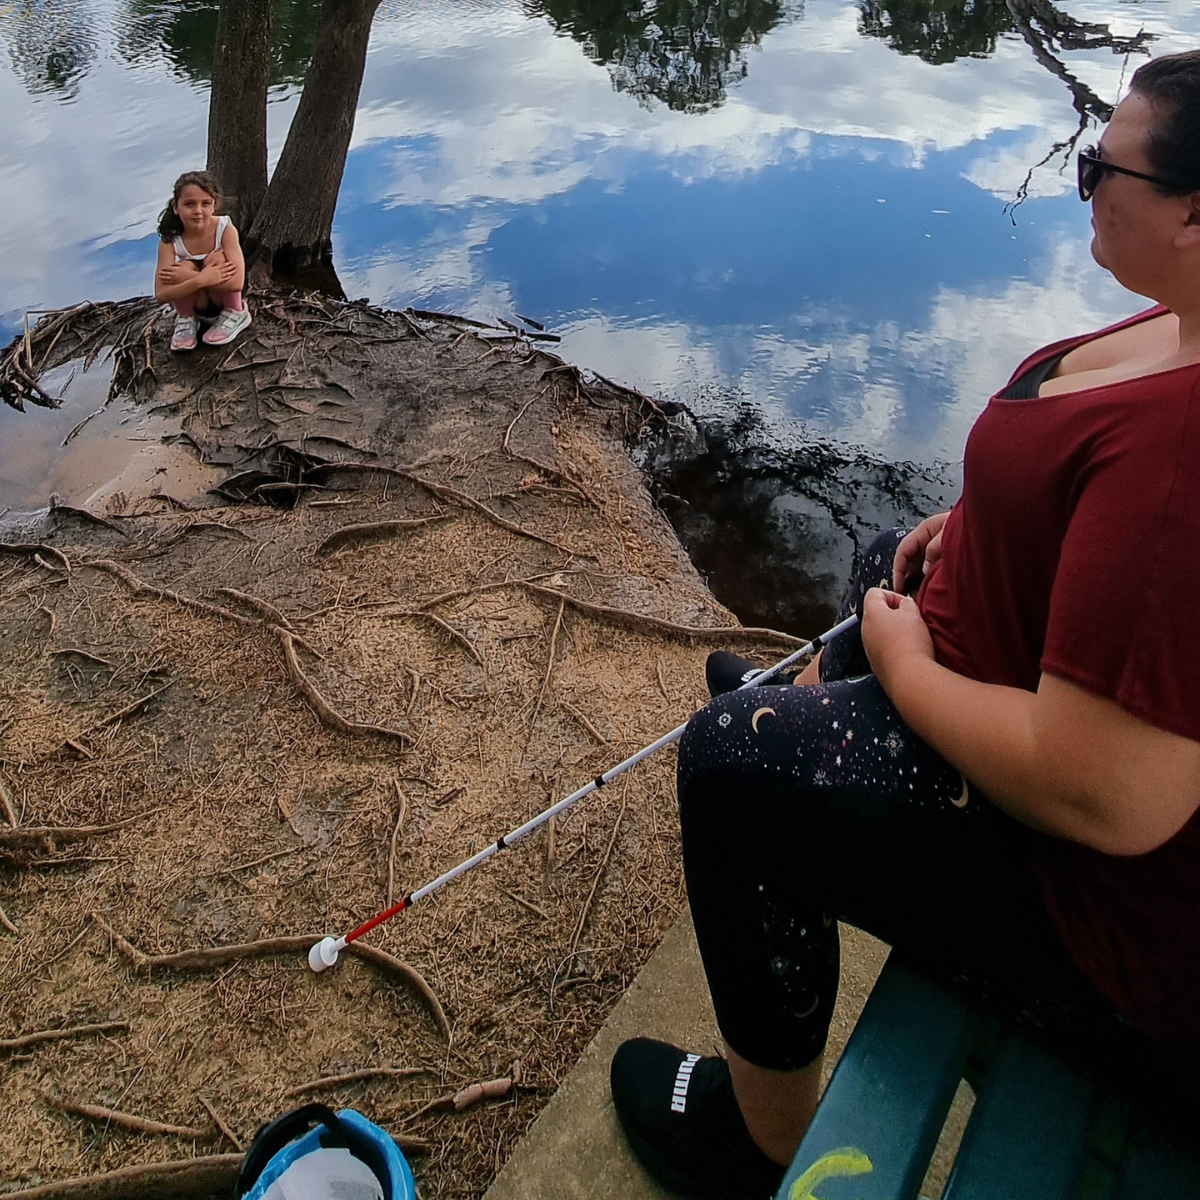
(802, 806)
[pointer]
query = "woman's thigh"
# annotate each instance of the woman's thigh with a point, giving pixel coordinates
(801, 805)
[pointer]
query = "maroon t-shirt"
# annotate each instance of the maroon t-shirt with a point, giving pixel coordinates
(1075, 549)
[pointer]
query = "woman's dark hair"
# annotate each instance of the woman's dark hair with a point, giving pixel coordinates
(1172, 85)
(169, 224)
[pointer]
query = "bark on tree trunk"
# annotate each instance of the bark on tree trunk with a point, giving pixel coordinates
(293, 228)
(237, 107)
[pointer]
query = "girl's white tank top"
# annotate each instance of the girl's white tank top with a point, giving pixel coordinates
(182, 253)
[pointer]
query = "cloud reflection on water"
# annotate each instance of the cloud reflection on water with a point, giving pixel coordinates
(736, 252)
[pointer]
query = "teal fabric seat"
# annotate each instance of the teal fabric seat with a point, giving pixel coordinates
(1039, 1130)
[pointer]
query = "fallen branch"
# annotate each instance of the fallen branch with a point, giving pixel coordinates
(7, 923)
(226, 1132)
(403, 809)
(371, 530)
(110, 1116)
(218, 956)
(34, 549)
(324, 710)
(332, 1081)
(719, 635)
(12, 1045)
(492, 1089)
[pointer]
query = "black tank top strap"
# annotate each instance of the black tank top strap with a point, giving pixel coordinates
(1026, 385)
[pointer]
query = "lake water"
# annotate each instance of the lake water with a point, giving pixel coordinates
(803, 204)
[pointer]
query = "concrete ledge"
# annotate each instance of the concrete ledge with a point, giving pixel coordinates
(575, 1150)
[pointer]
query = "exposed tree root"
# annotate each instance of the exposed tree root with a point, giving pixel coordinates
(445, 627)
(324, 710)
(537, 708)
(140, 588)
(12, 1045)
(719, 635)
(445, 492)
(6, 804)
(226, 1132)
(264, 608)
(218, 956)
(186, 1179)
(332, 1081)
(38, 834)
(110, 1116)
(583, 720)
(372, 530)
(34, 549)
(612, 841)
(400, 815)
(127, 711)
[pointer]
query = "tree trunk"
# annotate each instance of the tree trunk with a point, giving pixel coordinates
(293, 229)
(237, 107)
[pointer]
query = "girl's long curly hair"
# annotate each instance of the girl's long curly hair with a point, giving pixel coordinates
(169, 224)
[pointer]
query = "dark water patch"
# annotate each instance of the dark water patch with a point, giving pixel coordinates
(776, 529)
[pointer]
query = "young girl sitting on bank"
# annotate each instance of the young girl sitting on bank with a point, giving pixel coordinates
(200, 270)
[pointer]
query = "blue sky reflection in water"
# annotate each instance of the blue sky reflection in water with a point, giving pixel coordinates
(829, 241)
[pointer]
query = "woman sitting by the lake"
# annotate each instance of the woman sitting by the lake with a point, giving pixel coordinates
(200, 270)
(1000, 777)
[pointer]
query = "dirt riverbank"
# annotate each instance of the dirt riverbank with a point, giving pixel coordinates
(394, 587)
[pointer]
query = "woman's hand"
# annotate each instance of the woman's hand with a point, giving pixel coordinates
(893, 632)
(918, 551)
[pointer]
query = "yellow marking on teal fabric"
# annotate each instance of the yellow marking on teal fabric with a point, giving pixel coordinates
(834, 1165)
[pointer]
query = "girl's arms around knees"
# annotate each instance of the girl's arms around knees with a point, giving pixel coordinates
(1063, 760)
(176, 281)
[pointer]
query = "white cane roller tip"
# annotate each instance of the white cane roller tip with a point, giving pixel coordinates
(323, 954)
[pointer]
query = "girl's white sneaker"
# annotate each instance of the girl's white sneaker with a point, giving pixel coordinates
(226, 327)
(183, 336)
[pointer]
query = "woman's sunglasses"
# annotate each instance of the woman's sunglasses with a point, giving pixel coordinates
(1092, 168)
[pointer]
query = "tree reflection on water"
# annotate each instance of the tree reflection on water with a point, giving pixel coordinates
(682, 53)
(185, 35)
(51, 43)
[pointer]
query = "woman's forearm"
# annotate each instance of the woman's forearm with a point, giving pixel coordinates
(1062, 760)
(984, 730)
